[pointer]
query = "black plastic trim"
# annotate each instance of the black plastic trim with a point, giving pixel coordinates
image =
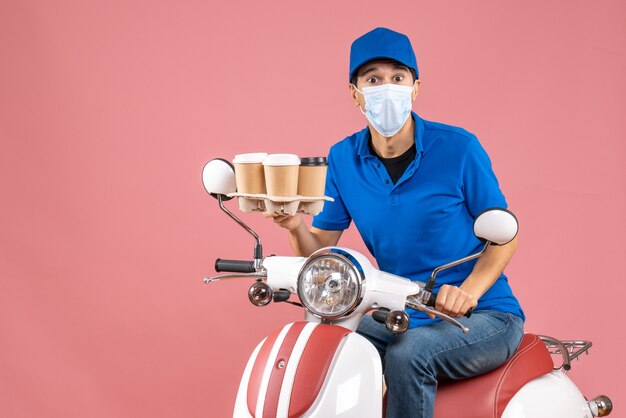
(314, 161)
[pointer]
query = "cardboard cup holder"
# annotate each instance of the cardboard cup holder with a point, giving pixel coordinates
(280, 205)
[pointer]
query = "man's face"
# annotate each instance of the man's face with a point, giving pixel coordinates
(376, 73)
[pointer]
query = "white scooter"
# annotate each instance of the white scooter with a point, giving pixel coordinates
(320, 367)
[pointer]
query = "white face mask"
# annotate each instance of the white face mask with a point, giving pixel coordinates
(387, 107)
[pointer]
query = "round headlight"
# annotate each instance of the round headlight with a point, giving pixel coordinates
(330, 284)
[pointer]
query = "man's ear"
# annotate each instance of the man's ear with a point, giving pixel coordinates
(353, 93)
(415, 90)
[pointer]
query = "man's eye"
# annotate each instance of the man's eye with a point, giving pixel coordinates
(398, 78)
(372, 80)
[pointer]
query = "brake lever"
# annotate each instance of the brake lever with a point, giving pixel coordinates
(208, 280)
(414, 302)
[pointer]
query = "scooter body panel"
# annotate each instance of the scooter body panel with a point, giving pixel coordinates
(351, 387)
(552, 395)
(354, 382)
(241, 404)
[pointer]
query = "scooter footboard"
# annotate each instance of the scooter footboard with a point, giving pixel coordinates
(311, 370)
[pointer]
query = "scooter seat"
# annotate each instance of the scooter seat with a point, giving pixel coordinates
(487, 395)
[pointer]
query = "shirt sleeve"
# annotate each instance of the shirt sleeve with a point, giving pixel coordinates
(480, 185)
(335, 215)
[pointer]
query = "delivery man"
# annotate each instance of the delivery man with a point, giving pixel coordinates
(413, 189)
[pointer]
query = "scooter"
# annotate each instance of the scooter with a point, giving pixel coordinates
(320, 367)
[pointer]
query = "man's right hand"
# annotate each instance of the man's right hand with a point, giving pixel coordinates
(289, 222)
(305, 241)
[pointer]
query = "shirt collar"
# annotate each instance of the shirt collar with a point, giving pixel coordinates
(364, 137)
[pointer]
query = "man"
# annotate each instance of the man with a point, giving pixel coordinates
(413, 189)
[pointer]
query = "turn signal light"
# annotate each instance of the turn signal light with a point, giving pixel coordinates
(397, 322)
(600, 406)
(260, 294)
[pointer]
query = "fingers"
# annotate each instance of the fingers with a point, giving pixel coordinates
(290, 222)
(278, 218)
(469, 303)
(283, 220)
(454, 301)
(273, 215)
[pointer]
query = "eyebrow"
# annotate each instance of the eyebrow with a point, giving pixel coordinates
(395, 67)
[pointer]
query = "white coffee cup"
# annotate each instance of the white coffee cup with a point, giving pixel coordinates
(281, 174)
(249, 173)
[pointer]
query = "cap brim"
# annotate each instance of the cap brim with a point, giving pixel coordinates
(363, 62)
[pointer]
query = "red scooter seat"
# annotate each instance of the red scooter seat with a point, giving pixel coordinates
(487, 395)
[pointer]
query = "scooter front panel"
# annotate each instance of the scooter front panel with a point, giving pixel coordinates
(354, 382)
(277, 375)
(261, 370)
(320, 351)
(292, 367)
(281, 351)
(288, 370)
(241, 403)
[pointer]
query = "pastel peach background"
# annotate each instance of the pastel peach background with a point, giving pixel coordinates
(109, 110)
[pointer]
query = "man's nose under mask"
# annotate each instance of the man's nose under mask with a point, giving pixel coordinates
(387, 107)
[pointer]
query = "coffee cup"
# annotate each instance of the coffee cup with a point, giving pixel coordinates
(312, 176)
(249, 173)
(281, 174)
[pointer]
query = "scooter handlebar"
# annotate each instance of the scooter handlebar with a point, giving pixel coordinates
(234, 266)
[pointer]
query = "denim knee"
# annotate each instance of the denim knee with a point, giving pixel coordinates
(405, 361)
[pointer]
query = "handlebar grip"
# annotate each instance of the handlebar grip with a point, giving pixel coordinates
(234, 266)
(433, 299)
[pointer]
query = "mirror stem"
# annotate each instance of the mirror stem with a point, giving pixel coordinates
(430, 284)
(258, 248)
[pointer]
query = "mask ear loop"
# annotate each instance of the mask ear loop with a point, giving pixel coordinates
(357, 89)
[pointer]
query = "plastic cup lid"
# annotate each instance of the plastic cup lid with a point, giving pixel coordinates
(281, 159)
(313, 161)
(251, 158)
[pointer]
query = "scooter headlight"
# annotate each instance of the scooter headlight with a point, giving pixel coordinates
(330, 283)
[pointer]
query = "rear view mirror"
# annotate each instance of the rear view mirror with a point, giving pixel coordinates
(218, 177)
(498, 226)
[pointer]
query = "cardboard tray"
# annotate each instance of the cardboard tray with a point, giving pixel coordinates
(280, 205)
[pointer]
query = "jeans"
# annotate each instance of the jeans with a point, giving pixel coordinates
(413, 362)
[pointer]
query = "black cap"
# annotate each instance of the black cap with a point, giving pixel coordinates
(313, 161)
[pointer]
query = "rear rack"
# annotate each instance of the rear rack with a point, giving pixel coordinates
(568, 349)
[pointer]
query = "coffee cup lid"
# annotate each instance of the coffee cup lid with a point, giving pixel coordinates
(315, 161)
(250, 158)
(281, 159)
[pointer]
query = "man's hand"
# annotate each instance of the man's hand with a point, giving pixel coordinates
(288, 222)
(454, 301)
(305, 241)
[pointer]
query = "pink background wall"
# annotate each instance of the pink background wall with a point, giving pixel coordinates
(108, 111)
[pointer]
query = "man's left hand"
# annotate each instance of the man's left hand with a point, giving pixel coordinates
(454, 301)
